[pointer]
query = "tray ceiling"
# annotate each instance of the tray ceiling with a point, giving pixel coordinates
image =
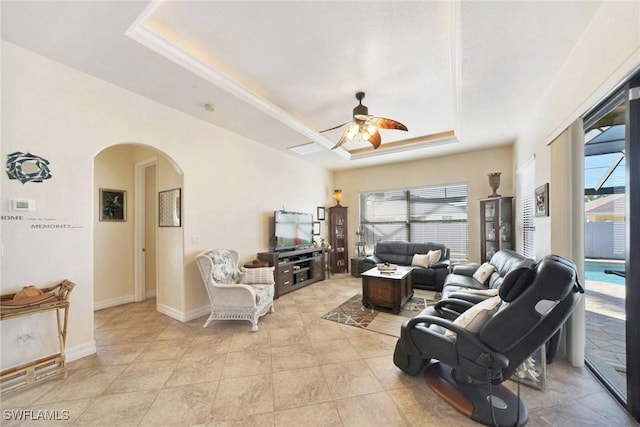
(460, 75)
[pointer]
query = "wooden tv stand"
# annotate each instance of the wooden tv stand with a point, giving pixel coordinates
(295, 269)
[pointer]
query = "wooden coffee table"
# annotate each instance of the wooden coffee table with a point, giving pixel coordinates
(388, 290)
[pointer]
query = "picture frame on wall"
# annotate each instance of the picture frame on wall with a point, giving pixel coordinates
(321, 213)
(113, 205)
(169, 208)
(541, 200)
(316, 228)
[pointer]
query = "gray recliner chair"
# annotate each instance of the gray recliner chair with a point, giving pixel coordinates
(467, 360)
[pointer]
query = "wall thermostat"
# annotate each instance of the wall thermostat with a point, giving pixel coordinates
(22, 205)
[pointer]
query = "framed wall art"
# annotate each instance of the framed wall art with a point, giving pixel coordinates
(169, 208)
(321, 213)
(541, 201)
(113, 205)
(316, 228)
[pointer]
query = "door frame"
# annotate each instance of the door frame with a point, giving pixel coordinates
(139, 229)
(632, 152)
(630, 92)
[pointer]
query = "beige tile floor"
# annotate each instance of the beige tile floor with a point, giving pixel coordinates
(297, 370)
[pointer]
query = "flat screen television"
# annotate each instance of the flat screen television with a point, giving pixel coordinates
(292, 230)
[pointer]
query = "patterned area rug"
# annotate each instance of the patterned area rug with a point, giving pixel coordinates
(353, 313)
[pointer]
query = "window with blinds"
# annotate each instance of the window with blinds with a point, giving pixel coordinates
(426, 214)
(526, 188)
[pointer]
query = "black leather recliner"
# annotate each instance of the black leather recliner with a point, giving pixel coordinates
(466, 368)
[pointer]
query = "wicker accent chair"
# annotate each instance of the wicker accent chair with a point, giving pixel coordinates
(235, 295)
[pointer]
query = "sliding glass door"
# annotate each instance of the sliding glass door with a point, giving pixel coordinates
(612, 217)
(605, 243)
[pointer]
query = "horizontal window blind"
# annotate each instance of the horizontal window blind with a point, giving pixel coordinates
(526, 188)
(425, 214)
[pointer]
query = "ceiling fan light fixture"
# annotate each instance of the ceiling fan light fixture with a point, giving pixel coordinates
(365, 125)
(371, 128)
(360, 112)
(353, 130)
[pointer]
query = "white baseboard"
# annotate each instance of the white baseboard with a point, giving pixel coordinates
(181, 315)
(198, 312)
(171, 312)
(79, 351)
(150, 294)
(100, 305)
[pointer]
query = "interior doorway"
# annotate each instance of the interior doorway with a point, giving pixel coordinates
(146, 285)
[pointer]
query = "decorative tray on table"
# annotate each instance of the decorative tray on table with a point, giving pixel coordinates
(387, 268)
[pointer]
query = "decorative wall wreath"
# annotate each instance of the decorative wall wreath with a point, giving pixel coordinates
(27, 167)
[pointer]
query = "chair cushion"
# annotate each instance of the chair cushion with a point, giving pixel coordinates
(263, 275)
(483, 272)
(475, 317)
(224, 269)
(421, 260)
(263, 293)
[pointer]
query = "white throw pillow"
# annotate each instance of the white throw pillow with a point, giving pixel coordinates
(261, 275)
(474, 318)
(484, 292)
(483, 272)
(421, 260)
(434, 257)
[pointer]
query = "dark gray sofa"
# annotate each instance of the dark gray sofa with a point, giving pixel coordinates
(401, 253)
(505, 261)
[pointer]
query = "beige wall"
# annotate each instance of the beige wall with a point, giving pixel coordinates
(231, 186)
(608, 51)
(114, 258)
(470, 168)
(113, 274)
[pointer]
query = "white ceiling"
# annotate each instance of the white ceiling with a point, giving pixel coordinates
(278, 72)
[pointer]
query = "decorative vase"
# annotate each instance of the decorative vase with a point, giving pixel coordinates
(494, 183)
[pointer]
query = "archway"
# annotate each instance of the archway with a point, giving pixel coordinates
(119, 242)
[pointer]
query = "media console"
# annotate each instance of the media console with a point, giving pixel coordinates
(295, 269)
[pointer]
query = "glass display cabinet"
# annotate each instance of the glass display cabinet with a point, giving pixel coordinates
(338, 239)
(496, 226)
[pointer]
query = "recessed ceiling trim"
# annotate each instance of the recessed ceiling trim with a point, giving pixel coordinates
(446, 137)
(455, 52)
(149, 38)
(305, 149)
(412, 142)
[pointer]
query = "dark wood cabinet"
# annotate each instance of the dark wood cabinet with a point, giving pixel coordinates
(295, 269)
(338, 239)
(496, 226)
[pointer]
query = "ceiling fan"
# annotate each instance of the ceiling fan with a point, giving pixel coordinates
(365, 125)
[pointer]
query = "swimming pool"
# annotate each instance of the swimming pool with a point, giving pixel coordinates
(594, 270)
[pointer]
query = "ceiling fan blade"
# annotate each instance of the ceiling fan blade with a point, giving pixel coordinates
(375, 139)
(342, 139)
(383, 123)
(335, 127)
